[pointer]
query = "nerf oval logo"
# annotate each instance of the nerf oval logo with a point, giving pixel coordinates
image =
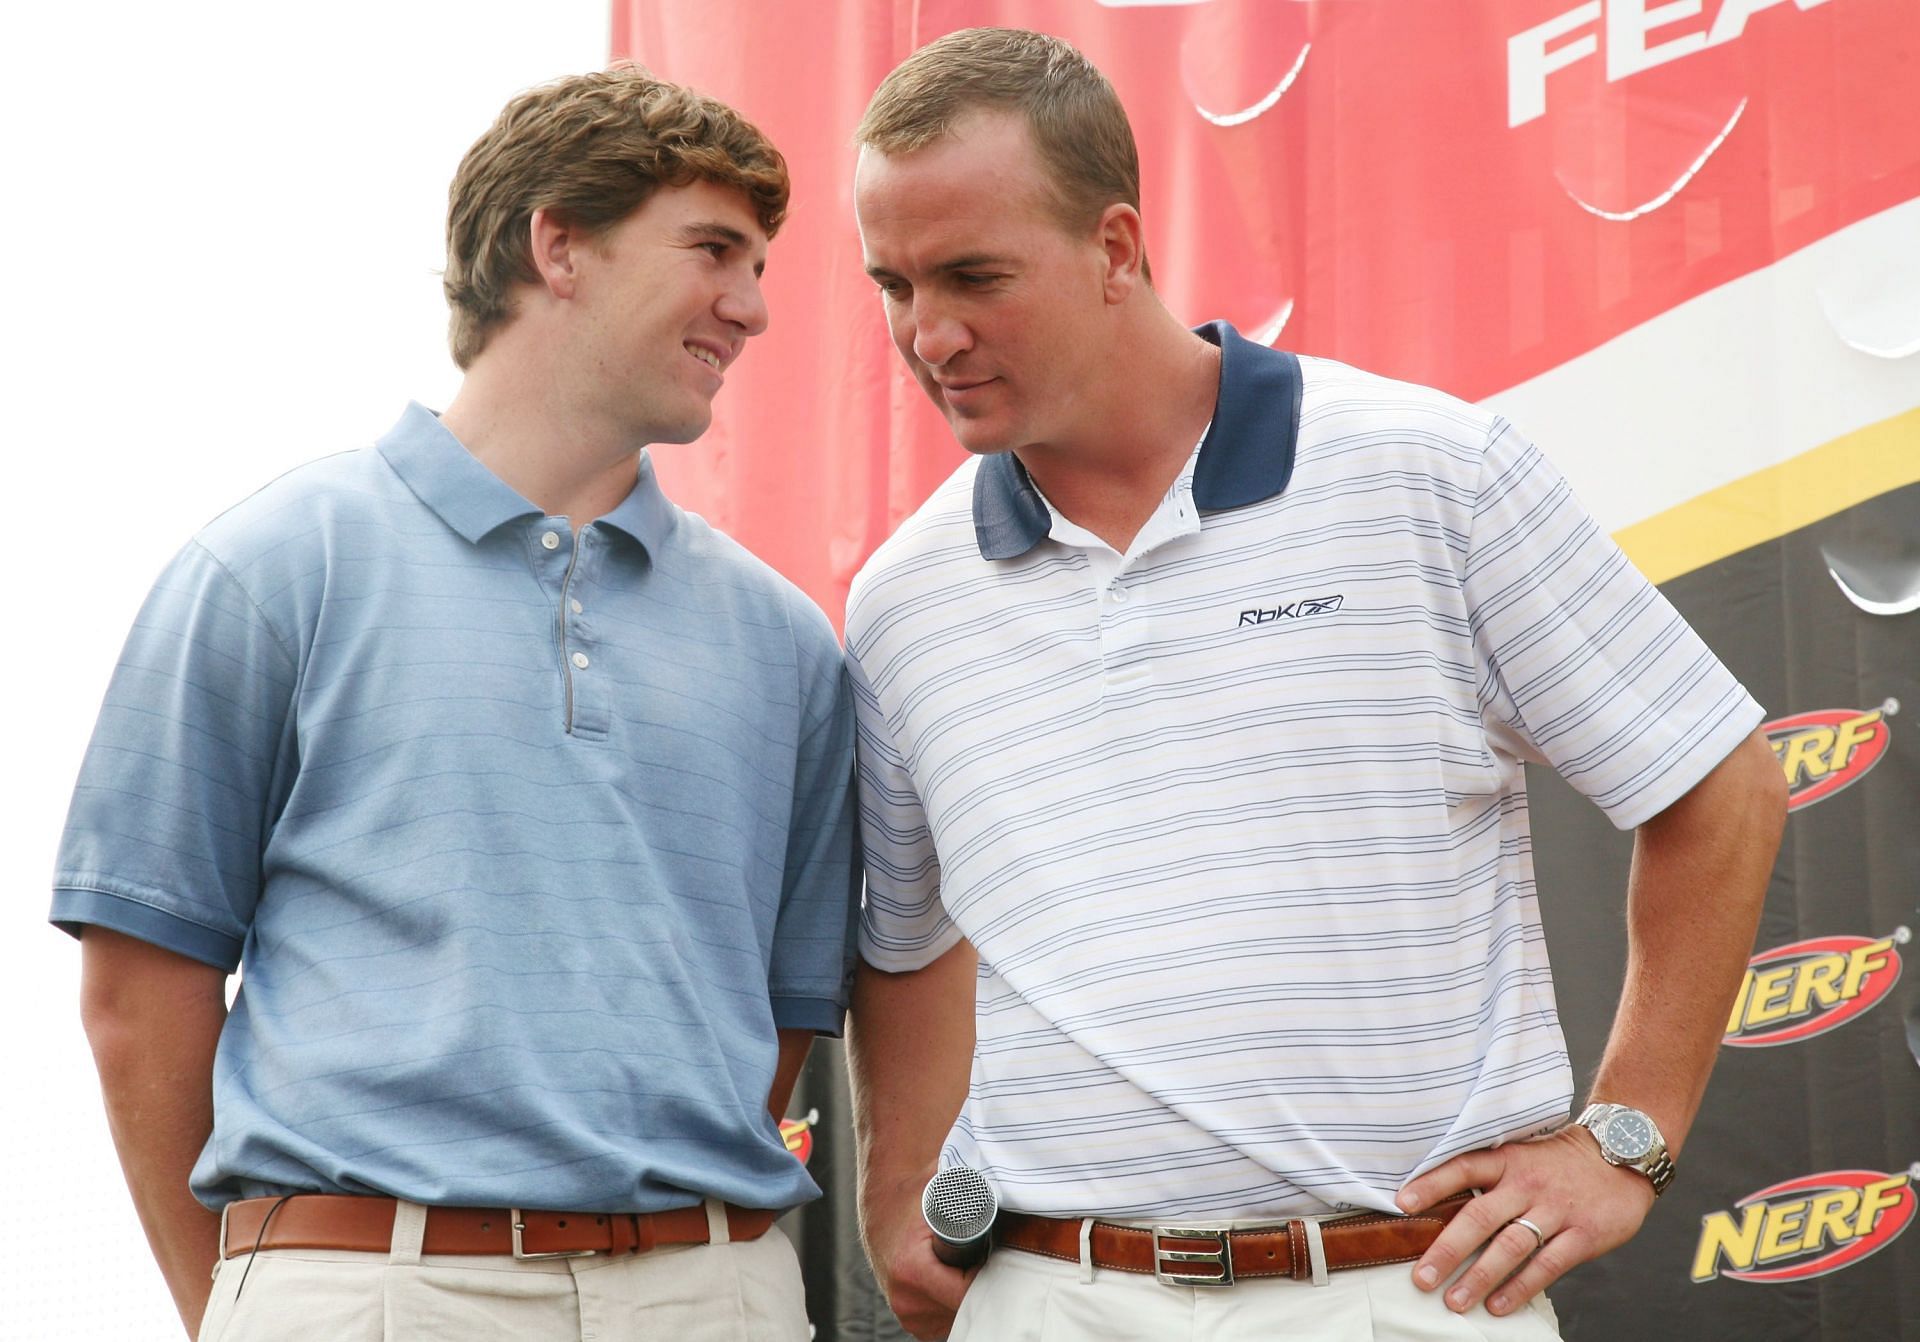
(1805, 1227)
(1798, 991)
(1829, 749)
(797, 1134)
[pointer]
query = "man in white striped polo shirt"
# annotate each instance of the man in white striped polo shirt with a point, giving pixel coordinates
(1192, 712)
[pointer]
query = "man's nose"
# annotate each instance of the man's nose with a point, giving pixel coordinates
(937, 334)
(745, 306)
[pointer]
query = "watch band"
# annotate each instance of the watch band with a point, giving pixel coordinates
(1656, 1164)
(1661, 1171)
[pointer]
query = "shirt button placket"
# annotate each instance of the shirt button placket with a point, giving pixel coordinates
(551, 540)
(586, 697)
(1123, 630)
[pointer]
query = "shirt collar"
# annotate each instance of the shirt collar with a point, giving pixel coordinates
(646, 514)
(474, 501)
(1247, 455)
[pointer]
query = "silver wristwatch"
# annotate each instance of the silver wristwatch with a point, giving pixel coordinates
(1628, 1137)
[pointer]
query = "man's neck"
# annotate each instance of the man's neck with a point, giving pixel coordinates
(1114, 475)
(522, 428)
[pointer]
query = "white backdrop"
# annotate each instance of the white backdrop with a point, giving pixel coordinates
(222, 233)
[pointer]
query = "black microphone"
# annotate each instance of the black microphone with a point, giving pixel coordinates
(960, 1205)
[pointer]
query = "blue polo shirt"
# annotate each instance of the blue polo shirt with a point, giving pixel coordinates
(525, 841)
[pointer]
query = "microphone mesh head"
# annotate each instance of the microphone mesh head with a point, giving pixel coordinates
(959, 1204)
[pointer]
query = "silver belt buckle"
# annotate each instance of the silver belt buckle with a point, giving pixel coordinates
(519, 1249)
(1168, 1267)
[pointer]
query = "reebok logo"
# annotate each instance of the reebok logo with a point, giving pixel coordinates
(1292, 610)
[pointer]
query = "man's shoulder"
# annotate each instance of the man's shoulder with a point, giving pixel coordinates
(293, 512)
(935, 536)
(1338, 398)
(730, 568)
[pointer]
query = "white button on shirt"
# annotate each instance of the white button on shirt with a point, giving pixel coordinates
(551, 540)
(1126, 625)
(580, 660)
(1175, 516)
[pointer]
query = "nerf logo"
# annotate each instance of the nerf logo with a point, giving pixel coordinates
(1830, 749)
(1795, 992)
(1292, 610)
(1805, 1227)
(797, 1135)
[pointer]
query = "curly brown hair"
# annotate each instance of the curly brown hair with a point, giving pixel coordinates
(591, 148)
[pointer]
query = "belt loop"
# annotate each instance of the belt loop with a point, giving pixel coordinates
(409, 1230)
(1086, 1248)
(718, 1232)
(1316, 1250)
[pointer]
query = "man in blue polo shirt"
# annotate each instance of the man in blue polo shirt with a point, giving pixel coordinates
(520, 798)
(1200, 914)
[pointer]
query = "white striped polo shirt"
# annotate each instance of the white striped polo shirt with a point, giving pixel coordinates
(1241, 838)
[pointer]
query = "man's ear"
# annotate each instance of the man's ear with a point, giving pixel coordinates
(554, 244)
(1124, 241)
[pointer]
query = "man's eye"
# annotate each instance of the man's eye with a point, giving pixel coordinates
(716, 248)
(890, 288)
(974, 280)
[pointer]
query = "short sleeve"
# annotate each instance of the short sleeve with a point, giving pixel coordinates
(1582, 659)
(820, 896)
(903, 924)
(177, 791)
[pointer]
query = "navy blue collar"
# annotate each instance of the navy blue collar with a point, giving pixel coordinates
(1246, 456)
(474, 501)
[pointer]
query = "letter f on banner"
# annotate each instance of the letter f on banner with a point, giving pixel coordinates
(1530, 60)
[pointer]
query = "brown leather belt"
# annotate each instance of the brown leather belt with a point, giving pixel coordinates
(365, 1225)
(1188, 1256)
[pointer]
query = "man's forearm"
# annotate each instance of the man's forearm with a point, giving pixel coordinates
(910, 1048)
(153, 1020)
(794, 1047)
(1699, 878)
(1700, 871)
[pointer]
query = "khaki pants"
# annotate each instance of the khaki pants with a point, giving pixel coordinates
(718, 1292)
(1023, 1297)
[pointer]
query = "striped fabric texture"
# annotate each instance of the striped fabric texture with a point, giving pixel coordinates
(1241, 835)
(525, 840)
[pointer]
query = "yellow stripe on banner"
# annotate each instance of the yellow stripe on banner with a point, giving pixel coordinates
(1770, 503)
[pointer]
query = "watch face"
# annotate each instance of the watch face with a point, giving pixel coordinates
(1629, 1136)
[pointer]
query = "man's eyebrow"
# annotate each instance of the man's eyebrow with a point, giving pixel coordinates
(974, 261)
(708, 230)
(971, 261)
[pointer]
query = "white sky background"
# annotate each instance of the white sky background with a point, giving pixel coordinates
(222, 226)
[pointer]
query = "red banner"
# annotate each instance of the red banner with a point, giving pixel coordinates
(1464, 195)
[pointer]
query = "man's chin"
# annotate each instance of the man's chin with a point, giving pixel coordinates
(978, 438)
(686, 431)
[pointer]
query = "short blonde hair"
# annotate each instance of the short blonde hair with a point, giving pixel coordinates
(592, 148)
(1072, 112)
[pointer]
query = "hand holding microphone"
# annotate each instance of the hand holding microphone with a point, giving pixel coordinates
(959, 1206)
